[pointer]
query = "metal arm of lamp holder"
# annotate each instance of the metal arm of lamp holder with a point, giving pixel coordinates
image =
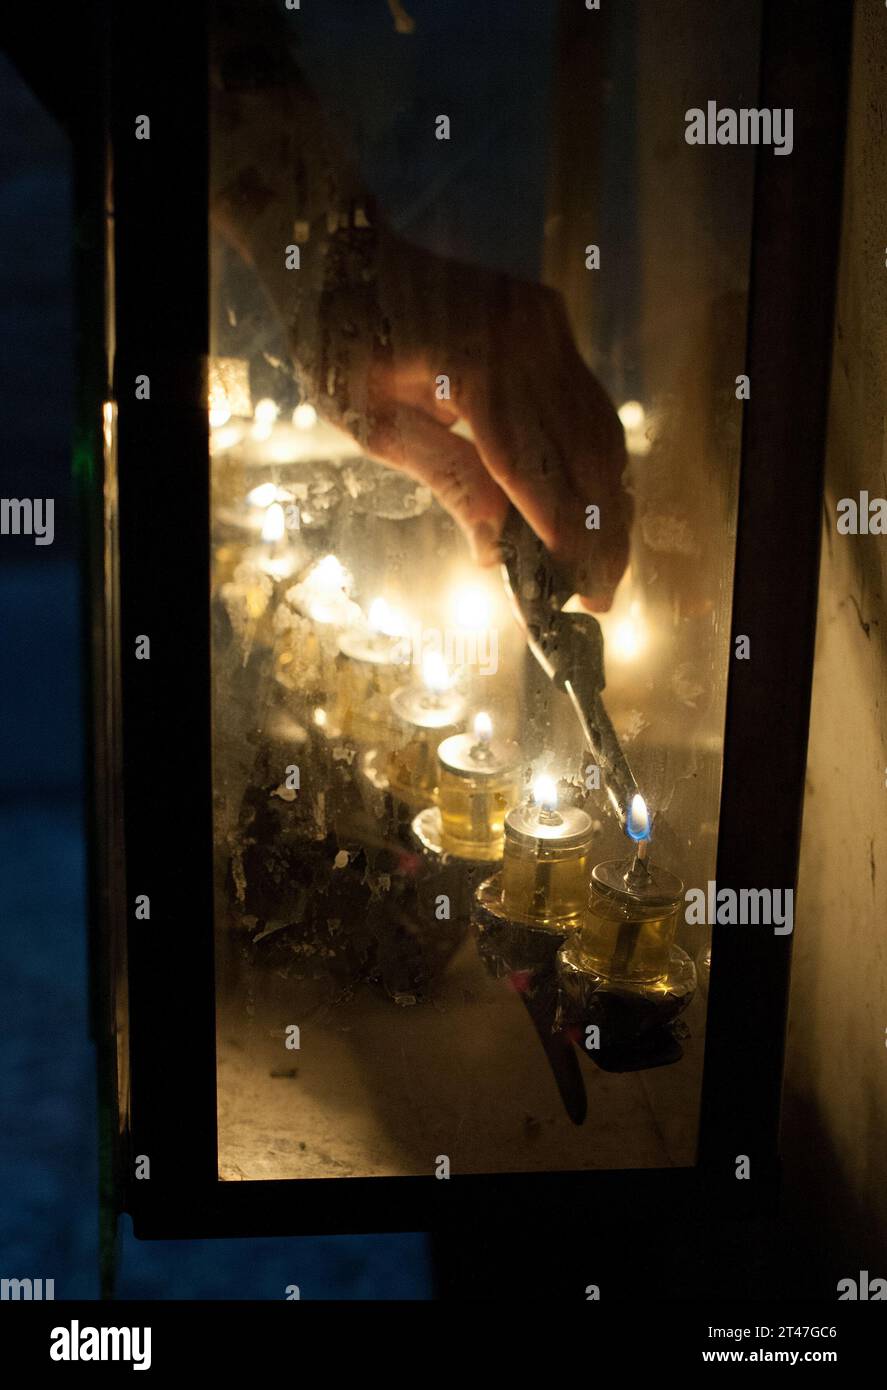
(568, 646)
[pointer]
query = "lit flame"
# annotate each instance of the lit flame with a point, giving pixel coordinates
(483, 727)
(304, 416)
(323, 593)
(266, 411)
(634, 421)
(264, 415)
(262, 496)
(385, 619)
(329, 574)
(471, 607)
(637, 823)
(629, 637)
(219, 413)
(545, 793)
(434, 673)
(320, 718)
(632, 415)
(274, 523)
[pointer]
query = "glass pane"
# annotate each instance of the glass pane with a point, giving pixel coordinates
(448, 244)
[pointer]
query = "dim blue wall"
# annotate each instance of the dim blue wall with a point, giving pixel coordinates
(48, 1152)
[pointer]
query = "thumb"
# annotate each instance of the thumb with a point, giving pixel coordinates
(424, 449)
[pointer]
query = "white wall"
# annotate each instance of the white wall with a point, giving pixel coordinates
(835, 1116)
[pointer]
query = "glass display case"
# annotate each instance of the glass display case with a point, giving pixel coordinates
(452, 399)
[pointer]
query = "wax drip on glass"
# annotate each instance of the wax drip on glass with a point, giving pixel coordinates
(324, 594)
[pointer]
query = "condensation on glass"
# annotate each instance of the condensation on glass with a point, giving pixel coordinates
(377, 1008)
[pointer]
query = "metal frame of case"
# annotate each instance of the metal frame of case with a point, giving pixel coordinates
(144, 274)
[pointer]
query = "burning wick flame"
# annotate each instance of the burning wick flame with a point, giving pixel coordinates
(274, 524)
(264, 415)
(637, 823)
(385, 620)
(545, 794)
(305, 416)
(637, 826)
(481, 751)
(219, 411)
(323, 593)
(435, 674)
(483, 727)
(266, 493)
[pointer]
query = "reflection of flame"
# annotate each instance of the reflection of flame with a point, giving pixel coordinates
(228, 389)
(304, 416)
(471, 607)
(386, 620)
(632, 415)
(329, 574)
(266, 411)
(434, 673)
(323, 593)
(633, 418)
(219, 413)
(638, 821)
(266, 493)
(545, 792)
(483, 727)
(264, 415)
(628, 637)
(274, 523)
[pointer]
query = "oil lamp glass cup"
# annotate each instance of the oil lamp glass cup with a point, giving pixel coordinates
(276, 556)
(422, 712)
(323, 607)
(630, 922)
(477, 782)
(370, 669)
(545, 865)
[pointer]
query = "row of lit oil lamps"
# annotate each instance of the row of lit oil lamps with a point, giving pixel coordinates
(470, 784)
(473, 780)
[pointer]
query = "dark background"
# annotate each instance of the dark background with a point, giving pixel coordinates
(48, 1138)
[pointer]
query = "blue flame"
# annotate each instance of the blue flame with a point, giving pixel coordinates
(637, 819)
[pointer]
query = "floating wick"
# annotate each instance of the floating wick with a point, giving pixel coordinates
(545, 797)
(483, 732)
(435, 675)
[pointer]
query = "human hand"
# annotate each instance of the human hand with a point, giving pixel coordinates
(495, 357)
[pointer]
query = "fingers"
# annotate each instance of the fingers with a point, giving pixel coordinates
(568, 489)
(521, 455)
(413, 385)
(424, 449)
